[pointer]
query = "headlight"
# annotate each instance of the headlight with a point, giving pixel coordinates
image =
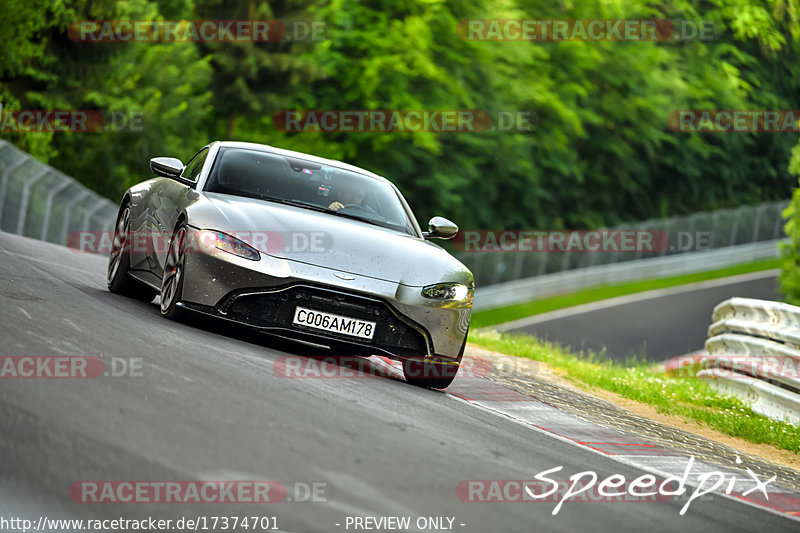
(447, 291)
(226, 243)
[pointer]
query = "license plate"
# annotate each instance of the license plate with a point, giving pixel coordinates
(345, 325)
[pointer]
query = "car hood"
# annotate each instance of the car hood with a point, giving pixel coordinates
(328, 241)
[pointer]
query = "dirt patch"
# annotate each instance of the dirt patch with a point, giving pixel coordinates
(771, 453)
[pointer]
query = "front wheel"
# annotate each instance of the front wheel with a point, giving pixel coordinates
(119, 262)
(172, 280)
(433, 374)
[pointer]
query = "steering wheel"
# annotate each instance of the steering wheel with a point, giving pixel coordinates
(358, 206)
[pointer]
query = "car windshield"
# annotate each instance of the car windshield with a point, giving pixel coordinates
(303, 183)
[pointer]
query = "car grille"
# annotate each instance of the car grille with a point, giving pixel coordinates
(276, 308)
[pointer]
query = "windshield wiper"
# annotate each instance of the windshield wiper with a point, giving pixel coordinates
(310, 206)
(324, 210)
(291, 202)
(355, 217)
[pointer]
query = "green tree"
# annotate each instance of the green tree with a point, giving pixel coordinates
(166, 84)
(789, 277)
(601, 152)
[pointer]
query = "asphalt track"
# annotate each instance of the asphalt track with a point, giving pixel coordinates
(669, 323)
(211, 405)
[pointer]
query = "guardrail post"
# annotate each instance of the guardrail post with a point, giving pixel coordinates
(49, 206)
(754, 353)
(26, 194)
(67, 212)
(4, 183)
(89, 214)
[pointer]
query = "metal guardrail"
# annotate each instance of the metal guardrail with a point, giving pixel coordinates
(722, 228)
(41, 202)
(526, 290)
(754, 353)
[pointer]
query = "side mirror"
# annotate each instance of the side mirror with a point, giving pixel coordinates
(440, 228)
(167, 167)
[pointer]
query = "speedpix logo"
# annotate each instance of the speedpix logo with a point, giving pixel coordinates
(589, 487)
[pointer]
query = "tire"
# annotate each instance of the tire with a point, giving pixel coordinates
(438, 374)
(172, 280)
(119, 263)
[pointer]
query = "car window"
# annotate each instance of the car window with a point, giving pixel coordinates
(273, 177)
(195, 166)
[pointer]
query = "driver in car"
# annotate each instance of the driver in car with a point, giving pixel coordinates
(351, 194)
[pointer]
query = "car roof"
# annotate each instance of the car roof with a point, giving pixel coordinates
(300, 155)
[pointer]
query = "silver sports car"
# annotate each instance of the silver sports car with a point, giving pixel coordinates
(298, 246)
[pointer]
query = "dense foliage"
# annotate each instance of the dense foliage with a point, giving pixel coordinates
(601, 151)
(790, 270)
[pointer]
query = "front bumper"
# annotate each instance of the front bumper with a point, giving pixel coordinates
(263, 294)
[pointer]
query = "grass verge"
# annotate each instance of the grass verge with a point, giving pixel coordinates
(686, 397)
(505, 314)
